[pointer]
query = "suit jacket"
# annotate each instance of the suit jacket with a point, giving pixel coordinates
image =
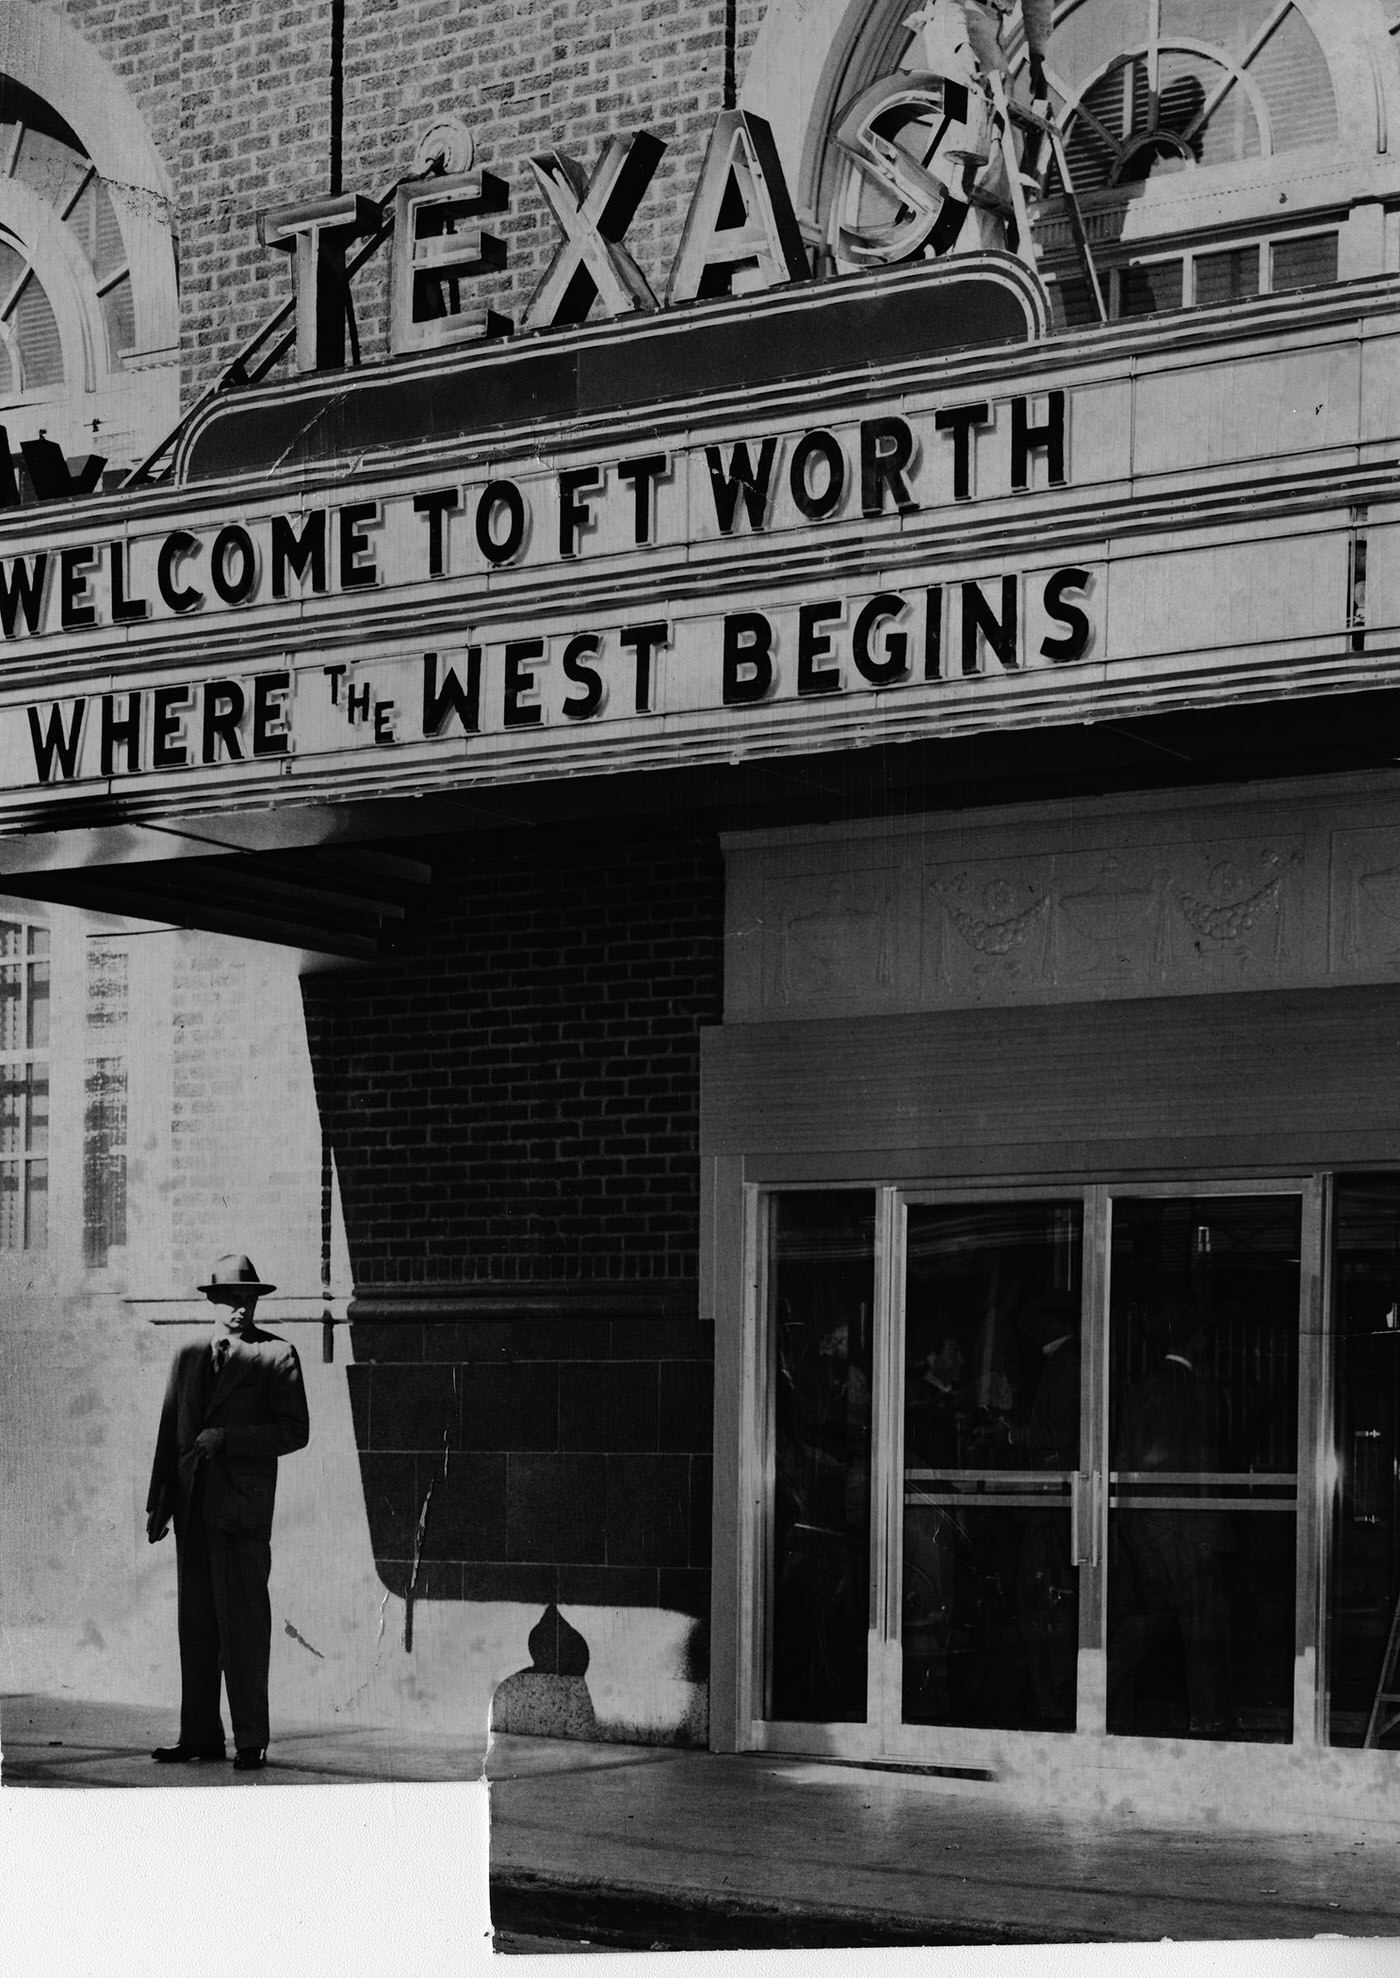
(260, 1404)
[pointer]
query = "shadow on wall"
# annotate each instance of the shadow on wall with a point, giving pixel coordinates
(549, 1699)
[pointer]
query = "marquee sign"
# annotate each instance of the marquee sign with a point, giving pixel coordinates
(886, 546)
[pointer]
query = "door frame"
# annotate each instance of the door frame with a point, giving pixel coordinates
(744, 1489)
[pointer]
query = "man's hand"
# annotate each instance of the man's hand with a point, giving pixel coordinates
(209, 1442)
(156, 1527)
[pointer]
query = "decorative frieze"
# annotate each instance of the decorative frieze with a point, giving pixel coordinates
(1137, 899)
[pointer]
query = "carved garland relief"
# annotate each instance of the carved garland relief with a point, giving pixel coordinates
(1154, 920)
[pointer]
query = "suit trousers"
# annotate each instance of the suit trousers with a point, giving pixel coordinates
(225, 1627)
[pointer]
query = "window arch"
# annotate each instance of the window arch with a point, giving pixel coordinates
(1188, 82)
(66, 310)
(1187, 123)
(88, 309)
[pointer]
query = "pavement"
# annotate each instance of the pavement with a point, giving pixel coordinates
(633, 1847)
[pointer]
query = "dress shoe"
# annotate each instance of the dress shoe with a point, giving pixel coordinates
(185, 1754)
(250, 1758)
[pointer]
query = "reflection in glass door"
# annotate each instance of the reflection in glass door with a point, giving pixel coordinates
(1203, 1488)
(821, 1291)
(1031, 1464)
(992, 1377)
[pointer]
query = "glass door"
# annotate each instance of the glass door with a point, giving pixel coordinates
(1028, 1461)
(1203, 1391)
(992, 1402)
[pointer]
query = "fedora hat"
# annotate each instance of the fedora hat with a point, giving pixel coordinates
(233, 1277)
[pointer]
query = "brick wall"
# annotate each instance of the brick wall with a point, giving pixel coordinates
(238, 102)
(512, 1103)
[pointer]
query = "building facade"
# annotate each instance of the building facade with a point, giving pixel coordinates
(745, 661)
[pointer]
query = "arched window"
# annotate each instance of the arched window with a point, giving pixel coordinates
(1163, 85)
(1218, 148)
(66, 314)
(88, 313)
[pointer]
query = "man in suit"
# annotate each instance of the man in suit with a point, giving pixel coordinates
(233, 1405)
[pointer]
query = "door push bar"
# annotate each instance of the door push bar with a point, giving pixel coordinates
(1085, 1508)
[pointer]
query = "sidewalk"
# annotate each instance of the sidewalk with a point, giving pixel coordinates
(624, 1846)
(808, 1853)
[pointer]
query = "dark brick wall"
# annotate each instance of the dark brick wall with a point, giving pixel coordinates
(512, 1102)
(568, 1459)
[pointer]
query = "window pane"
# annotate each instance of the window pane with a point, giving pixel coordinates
(1148, 287)
(12, 1110)
(1366, 1429)
(1228, 277)
(1304, 263)
(108, 986)
(119, 321)
(36, 1231)
(821, 1310)
(1203, 1434)
(51, 168)
(11, 1207)
(990, 1596)
(37, 1125)
(40, 353)
(11, 1008)
(11, 938)
(38, 940)
(1071, 303)
(37, 1018)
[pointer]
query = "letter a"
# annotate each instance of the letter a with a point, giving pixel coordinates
(740, 232)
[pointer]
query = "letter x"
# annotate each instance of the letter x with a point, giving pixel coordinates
(590, 262)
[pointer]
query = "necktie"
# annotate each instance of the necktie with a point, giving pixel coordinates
(220, 1355)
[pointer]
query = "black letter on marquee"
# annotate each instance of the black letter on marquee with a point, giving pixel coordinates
(435, 505)
(177, 546)
(506, 495)
(464, 703)
(354, 544)
(814, 644)
(121, 734)
(880, 672)
(823, 447)
(741, 477)
(643, 472)
(167, 705)
(223, 710)
(125, 610)
(236, 542)
(575, 514)
(886, 448)
(51, 741)
(959, 420)
(53, 479)
(1050, 438)
(584, 647)
(75, 610)
(520, 680)
(933, 634)
(590, 262)
(1076, 640)
(296, 554)
(748, 643)
(22, 592)
(268, 689)
(643, 640)
(1000, 634)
